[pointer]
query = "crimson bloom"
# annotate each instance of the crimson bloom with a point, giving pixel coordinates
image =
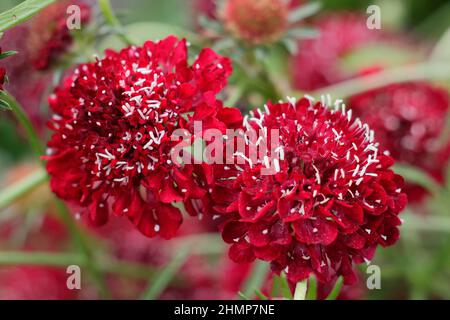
(409, 119)
(113, 122)
(316, 63)
(50, 37)
(2, 77)
(331, 200)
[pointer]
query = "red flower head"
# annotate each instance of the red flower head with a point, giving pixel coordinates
(256, 21)
(409, 119)
(331, 200)
(315, 65)
(113, 124)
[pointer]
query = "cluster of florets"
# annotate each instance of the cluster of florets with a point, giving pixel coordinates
(320, 197)
(331, 200)
(113, 121)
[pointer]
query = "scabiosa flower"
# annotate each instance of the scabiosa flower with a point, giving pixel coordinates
(316, 63)
(256, 21)
(113, 124)
(49, 35)
(331, 200)
(409, 119)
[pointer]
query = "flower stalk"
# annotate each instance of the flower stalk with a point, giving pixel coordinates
(300, 290)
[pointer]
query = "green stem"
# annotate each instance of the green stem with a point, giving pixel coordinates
(74, 231)
(159, 284)
(312, 288)
(111, 19)
(300, 290)
(421, 71)
(336, 290)
(40, 259)
(80, 240)
(256, 278)
(113, 266)
(22, 117)
(22, 187)
(429, 223)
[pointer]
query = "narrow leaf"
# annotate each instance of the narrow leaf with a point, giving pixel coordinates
(21, 13)
(160, 282)
(312, 289)
(256, 279)
(260, 295)
(7, 54)
(337, 288)
(415, 175)
(286, 291)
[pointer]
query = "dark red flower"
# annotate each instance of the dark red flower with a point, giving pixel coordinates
(316, 63)
(409, 119)
(113, 124)
(50, 36)
(331, 200)
(256, 21)
(2, 77)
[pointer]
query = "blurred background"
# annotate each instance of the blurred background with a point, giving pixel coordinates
(396, 78)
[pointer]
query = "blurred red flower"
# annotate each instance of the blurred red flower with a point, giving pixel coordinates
(332, 201)
(40, 43)
(408, 119)
(316, 63)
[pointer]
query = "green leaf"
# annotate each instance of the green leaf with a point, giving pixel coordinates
(22, 187)
(291, 45)
(312, 289)
(303, 33)
(21, 13)
(300, 290)
(417, 176)
(276, 286)
(441, 50)
(285, 290)
(304, 12)
(4, 105)
(337, 288)
(260, 295)
(370, 54)
(163, 279)
(7, 54)
(243, 296)
(256, 278)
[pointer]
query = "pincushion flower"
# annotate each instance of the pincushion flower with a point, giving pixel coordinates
(409, 119)
(113, 121)
(318, 62)
(331, 200)
(49, 36)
